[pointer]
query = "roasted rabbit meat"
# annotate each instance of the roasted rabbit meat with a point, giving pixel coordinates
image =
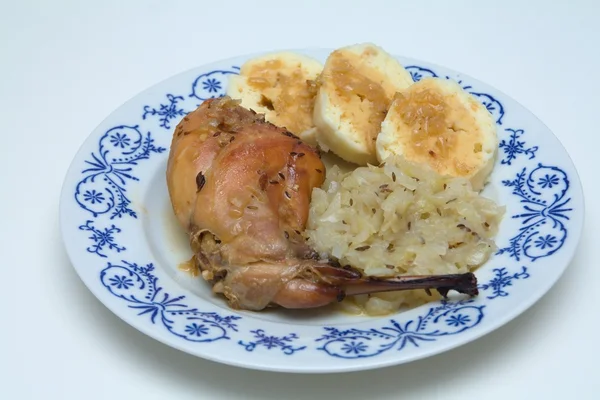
(241, 188)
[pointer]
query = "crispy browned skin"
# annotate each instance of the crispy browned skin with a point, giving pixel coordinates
(241, 188)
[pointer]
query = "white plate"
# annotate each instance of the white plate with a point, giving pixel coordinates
(122, 239)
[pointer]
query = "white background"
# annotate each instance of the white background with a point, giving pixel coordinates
(64, 66)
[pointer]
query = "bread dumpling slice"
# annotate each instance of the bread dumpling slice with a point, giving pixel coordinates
(356, 88)
(436, 122)
(281, 86)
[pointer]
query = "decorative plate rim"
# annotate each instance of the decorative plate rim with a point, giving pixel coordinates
(287, 344)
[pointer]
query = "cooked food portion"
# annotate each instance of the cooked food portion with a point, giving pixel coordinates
(437, 123)
(281, 86)
(399, 219)
(241, 187)
(356, 88)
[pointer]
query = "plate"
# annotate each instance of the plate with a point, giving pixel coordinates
(123, 241)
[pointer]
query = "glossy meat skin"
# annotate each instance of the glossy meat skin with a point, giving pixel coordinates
(241, 189)
(245, 183)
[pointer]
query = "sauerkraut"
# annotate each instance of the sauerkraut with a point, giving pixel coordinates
(401, 218)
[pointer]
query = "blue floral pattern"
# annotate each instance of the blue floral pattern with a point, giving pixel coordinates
(458, 320)
(417, 73)
(102, 238)
(102, 193)
(543, 193)
(120, 140)
(93, 197)
(102, 189)
(513, 147)
(195, 329)
(353, 347)
(210, 85)
(139, 286)
(547, 181)
(121, 282)
(501, 280)
(492, 105)
(448, 318)
(547, 241)
(272, 342)
(166, 112)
